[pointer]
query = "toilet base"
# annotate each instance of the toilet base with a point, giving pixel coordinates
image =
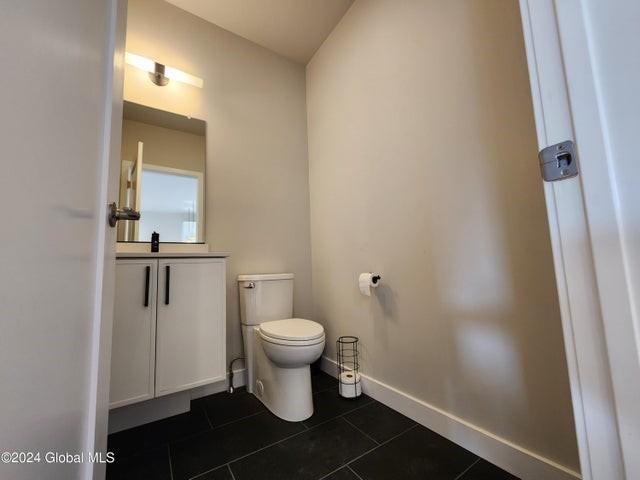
(286, 392)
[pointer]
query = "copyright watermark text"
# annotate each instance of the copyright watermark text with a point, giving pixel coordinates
(56, 457)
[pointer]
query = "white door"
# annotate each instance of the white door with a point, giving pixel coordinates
(56, 119)
(584, 69)
(134, 332)
(190, 337)
(136, 175)
(134, 193)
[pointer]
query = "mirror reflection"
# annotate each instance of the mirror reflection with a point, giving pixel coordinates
(162, 175)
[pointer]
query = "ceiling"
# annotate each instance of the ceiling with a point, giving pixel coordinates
(292, 28)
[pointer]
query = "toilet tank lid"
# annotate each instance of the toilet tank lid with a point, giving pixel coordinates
(258, 277)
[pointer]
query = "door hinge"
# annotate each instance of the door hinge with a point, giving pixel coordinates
(559, 161)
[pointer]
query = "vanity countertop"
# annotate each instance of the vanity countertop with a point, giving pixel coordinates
(172, 254)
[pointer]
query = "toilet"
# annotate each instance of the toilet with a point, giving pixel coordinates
(278, 349)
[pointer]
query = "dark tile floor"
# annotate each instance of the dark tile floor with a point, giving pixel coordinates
(234, 437)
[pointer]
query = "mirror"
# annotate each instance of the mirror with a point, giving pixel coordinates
(162, 175)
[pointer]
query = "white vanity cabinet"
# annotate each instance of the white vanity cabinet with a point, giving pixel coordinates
(133, 345)
(173, 337)
(190, 336)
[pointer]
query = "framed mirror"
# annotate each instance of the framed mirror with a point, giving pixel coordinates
(162, 175)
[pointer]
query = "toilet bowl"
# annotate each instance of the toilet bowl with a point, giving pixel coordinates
(292, 343)
(278, 349)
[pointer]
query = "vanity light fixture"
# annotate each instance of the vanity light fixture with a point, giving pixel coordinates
(161, 74)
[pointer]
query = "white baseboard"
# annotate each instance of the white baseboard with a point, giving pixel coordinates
(137, 414)
(513, 458)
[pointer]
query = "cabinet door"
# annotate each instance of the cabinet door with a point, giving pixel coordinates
(134, 332)
(190, 341)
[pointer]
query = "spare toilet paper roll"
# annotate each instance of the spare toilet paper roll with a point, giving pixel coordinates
(350, 385)
(367, 281)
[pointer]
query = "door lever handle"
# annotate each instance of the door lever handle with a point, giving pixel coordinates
(125, 213)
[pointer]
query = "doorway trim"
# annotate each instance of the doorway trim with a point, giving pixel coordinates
(591, 273)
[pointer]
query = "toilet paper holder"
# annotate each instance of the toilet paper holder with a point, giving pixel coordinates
(368, 281)
(349, 385)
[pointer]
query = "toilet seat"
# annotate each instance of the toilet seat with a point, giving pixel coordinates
(292, 332)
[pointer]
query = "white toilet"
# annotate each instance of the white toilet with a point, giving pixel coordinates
(278, 348)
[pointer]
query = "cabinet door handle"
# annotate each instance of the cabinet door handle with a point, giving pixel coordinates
(146, 285)
(167, 283)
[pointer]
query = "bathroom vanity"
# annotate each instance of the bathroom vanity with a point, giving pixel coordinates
(168, 343)
(169, 324)
(169, 315)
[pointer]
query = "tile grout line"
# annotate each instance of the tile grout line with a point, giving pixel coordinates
(238, 419)
(368, 452)
(170, 466)
(307, 429)
(233, 477)
(206, 415)
(138, 453)
(338, 416)
(354, 472)
(246, 455)
(193, 435)
(361, 431)
(467, 469)
(381, 444)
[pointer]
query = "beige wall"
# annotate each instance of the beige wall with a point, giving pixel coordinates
(423, 167)
(163, 146)
(253, 101)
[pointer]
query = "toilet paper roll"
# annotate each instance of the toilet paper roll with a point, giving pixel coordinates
(367, 281)
(350, 385)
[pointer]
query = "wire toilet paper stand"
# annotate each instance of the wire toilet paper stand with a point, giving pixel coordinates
(348, 367)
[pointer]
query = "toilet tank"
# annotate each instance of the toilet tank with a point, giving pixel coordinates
(265, 297)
